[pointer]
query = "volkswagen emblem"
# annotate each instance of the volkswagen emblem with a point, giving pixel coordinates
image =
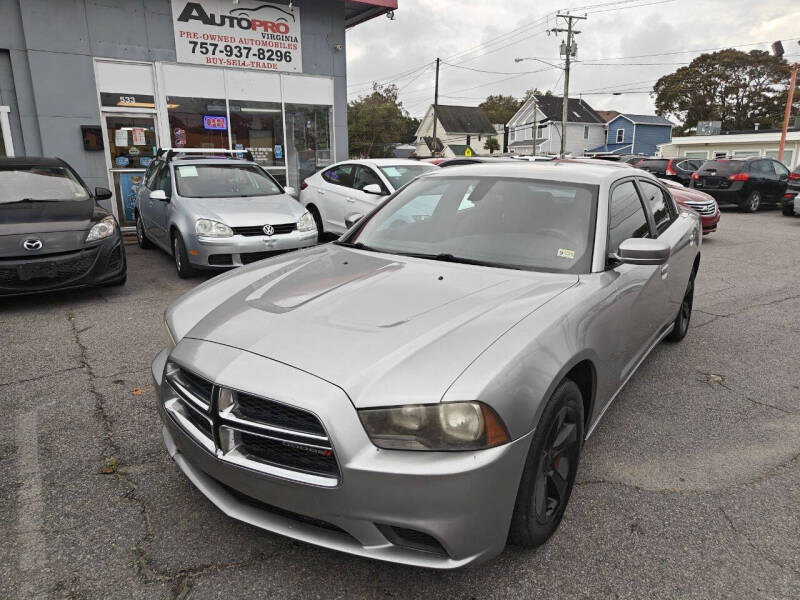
(268, 230)
(32, 244)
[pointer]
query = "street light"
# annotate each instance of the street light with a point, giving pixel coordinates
(519, 60)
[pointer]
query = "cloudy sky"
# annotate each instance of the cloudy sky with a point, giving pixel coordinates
(623, 46)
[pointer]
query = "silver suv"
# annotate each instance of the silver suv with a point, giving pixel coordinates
(217, 212)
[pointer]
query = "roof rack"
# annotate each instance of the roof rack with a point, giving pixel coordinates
(170, 153)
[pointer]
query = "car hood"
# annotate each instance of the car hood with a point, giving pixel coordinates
(386, 329)
(243, 212)
(43, 217)
(690, 195)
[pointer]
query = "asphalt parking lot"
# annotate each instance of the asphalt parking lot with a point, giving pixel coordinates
(689, 488)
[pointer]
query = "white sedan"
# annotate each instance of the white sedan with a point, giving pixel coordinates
(355, 187)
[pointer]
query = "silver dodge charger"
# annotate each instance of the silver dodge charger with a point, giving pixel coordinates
(419, 391)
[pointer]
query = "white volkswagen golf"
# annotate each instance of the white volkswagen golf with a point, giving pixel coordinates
(355, 187)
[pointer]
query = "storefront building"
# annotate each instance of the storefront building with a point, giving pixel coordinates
(103, 85)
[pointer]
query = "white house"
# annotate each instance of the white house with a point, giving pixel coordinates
(585, 128)
(461, 131)
(737, 144)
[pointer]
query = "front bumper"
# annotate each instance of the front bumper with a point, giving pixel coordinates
(93, 265)
(240, 249)
(710, 222)
(464, 500)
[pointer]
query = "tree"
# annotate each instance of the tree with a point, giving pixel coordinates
(500, 108)
(738, 88)
(377, 121)
(534, 92)
(491, 144)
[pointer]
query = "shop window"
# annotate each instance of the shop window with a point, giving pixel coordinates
(258, 127)
(197, 122)
(308, 137)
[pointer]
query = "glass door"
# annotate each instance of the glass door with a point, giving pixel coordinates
(132, 145)
(308, 136)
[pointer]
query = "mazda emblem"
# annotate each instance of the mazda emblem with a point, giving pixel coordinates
(32, 244)
(268, 229)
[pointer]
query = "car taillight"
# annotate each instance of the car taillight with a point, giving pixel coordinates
(637, 163)
(794, 175)
(694, 176)
(303, 185)
(739, 177)
(670, 171)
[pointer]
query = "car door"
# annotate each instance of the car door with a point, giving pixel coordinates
(640, 288)
(762, 178)
(682, 236)
(332, 195)
(145, 204)
(161, 208)
(782, 182)
(362, 202)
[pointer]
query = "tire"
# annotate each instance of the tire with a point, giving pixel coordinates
(681, 323)
(318, 220)
(141, 236)
(546, 485)
(788, 209)
(751, 203)
(181, 257)
(120, 281)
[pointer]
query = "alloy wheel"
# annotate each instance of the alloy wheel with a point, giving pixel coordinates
(686, 308)
(176, 253)
(559, 459)
(139, 232)
(755, 201)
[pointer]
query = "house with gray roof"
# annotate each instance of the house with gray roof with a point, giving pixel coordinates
(585, 128)
(635, 134)
(460, 131)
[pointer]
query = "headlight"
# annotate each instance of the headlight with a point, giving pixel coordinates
(170, 337)
(102, 229)
(209, 228)
(445, 426)
(306, 223)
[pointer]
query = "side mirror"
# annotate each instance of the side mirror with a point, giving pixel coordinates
(643, 251)
(291, 191)
(352, 219)
(374, 189)
(101, 193)
(159, 195)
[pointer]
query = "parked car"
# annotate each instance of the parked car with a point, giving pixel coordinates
(748, 182)
(791, 200)
(419, 391)
(53, 233)
(355, 186)
(673, 169)
(537, 158)
(702, 203)
(217, 212)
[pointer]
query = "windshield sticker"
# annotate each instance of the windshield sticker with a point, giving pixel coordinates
(562, 253)
(187, 171)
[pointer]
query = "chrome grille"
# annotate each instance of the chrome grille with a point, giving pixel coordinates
(707, 208)
(251, 431)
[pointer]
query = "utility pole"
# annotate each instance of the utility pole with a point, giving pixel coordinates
(435, 109)
(535, 123)
(570, 50)
(777, 50)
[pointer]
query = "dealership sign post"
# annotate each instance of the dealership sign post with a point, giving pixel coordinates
(248, 35)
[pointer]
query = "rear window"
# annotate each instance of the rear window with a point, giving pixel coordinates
(656, 165)
(723, 168)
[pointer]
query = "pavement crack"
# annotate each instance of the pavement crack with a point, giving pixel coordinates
(40, 377)
(759, 550)
(713, 379)
(749, 307)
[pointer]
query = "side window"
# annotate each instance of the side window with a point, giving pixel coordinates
(341, 175)
(626, 216)
(165, 180)
(780, 169)
(620, 135)
(366, 176)
(762, 168)
(151, 174)
(660, 205)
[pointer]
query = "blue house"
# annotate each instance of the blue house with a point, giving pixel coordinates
(635, 134)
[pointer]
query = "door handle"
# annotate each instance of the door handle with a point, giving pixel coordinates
(320, 193)
(351, 200)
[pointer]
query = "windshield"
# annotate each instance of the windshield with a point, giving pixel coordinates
(224, 181)
(399, 175)
(32, 183)
(505, 222)
(722, 168)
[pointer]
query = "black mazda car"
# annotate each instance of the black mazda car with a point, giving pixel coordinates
(53, 233)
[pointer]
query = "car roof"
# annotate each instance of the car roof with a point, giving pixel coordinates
(384, 162)
(564, 170)
(31, 161)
